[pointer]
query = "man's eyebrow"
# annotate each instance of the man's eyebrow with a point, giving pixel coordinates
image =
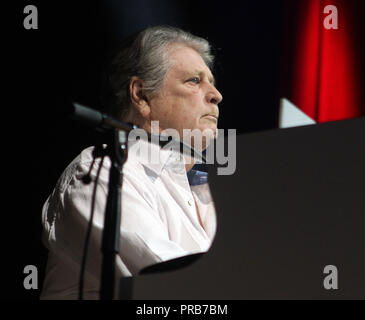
(211, 78)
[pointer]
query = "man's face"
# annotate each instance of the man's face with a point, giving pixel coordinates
(188, 98)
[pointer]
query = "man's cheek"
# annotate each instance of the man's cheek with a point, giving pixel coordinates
(186, 120)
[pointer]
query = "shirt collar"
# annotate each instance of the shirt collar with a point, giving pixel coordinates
(155, 158)
(152, 156)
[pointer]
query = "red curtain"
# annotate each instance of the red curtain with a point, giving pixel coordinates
(324, 72)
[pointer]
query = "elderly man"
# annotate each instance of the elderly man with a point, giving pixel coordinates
(162, 74)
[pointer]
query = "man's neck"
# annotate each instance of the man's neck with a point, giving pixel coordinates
(189, 163)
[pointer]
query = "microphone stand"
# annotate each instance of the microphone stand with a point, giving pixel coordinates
(117, 151)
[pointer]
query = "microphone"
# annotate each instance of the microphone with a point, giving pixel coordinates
(103, 122)
(100, 121)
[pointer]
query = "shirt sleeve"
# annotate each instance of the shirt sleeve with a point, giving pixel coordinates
(144, 239)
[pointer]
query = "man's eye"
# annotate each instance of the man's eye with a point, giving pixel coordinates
(195, 80)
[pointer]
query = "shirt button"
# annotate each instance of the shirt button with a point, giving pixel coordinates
(190, 202)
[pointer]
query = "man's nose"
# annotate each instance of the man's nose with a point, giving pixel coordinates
(213, 95)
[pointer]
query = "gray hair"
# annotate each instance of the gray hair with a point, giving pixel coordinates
(144, 55)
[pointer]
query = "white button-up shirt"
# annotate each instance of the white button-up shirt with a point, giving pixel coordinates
(162, 217)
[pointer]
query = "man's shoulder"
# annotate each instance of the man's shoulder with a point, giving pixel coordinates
(133, 170)
(84, 167)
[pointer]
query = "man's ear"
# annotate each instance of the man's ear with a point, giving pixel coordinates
(138, 98)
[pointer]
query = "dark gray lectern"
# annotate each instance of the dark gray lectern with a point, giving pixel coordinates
(295, 205)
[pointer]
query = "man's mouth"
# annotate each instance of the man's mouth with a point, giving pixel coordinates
(211, 117)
